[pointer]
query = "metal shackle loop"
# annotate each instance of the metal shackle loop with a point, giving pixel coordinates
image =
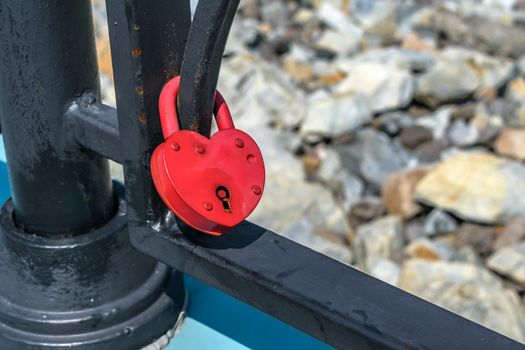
(168, 109)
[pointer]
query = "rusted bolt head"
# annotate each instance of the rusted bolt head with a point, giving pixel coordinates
(200, 149)
(239, 143)
(175, 146)
(256, 190)
(208, 206)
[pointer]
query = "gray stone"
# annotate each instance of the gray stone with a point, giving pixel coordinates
(373, 156)
(477, 32)
(276, 13)
(335, 116)
(387, 87)
(392, 123)
(521, 65)
(246, 31)
(372, 14)
(332, 174)
(476, 186)
(459, 74)
(353, 188)
(337, 19)
(446, 82)
(463, 134)
(256, 92)
(401, 58)
(429, 152)
(413, 136)
(324, 212)
(468, 290)
(381, 158)
(438, 122)
(415, 230)
(439, 222)
(510, 262)
(330, 168)
(382, 238)
(467, 254)
(302, 233)
(365, 210)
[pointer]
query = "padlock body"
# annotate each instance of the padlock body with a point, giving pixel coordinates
(189, 169)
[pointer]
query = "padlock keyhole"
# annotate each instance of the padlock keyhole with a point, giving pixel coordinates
(224, 195)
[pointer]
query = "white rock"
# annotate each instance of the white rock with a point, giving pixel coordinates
(257, 91)
(337, 42)
(395, 56)
(468, 290)
(336, 116)
(382, 238)
(463, 134)
(427, 249)
(459, 73)
(386, 270)
(476, 186)
(386, 86)
(337, 19)
(438, 122)
(492, 71)
(510, 262)
(288, 197)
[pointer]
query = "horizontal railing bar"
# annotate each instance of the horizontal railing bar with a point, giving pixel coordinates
(314, 293)
(94, 126)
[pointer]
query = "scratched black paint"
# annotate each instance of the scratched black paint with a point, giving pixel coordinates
(48, 58)
(69, 277)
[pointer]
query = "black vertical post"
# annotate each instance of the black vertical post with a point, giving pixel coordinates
(147, 45)
(69, 277)
(48, 58)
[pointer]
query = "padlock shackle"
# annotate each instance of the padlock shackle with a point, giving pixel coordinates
(169, 118)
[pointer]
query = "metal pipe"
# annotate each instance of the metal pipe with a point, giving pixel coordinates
(48, 59)
(94, 126)
(202, 63)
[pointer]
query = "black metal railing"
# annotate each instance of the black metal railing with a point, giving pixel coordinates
(151, 42)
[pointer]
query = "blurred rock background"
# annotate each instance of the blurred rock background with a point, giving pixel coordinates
(394, 139)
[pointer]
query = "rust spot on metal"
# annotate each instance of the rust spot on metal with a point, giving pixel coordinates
(137, 52)
(142, 119)
(139, 90)
(194, 126)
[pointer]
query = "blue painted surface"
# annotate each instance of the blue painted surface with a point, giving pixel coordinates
(215, 320)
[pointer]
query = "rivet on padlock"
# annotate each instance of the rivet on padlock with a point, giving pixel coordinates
(210, 184)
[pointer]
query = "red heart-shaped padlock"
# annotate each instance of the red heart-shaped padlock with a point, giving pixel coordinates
(210, 184)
